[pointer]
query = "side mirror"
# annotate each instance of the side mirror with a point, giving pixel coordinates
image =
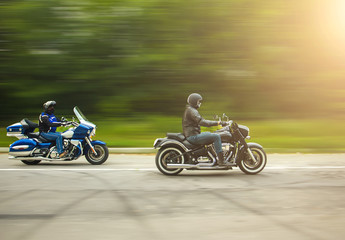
(226, 117)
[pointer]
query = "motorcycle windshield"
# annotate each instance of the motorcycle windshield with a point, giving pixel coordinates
(81, 117)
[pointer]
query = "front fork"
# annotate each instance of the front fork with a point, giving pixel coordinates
(89, 142)
(237, 150)
(251, 155)
(244, 143)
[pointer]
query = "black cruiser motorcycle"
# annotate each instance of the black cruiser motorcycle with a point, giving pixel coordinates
(176, 153)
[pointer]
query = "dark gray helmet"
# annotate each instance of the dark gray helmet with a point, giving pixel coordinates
(47, 104)
(194, 100)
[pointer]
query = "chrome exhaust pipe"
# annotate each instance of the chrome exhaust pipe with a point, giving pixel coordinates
(198, 166)
(37, 158)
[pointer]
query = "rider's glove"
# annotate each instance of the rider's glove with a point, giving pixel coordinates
(64, 123)
(224, 123)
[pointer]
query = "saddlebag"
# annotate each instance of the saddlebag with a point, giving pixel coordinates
(22, 147)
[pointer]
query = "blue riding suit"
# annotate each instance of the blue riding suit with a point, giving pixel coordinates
(47, 127)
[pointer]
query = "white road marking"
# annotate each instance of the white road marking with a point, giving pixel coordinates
(80, 169)
(154, 169)
(305, 167)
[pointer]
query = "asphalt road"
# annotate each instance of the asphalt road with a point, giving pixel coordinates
(297, 196)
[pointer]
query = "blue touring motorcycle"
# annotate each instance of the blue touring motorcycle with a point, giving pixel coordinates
(31, 148)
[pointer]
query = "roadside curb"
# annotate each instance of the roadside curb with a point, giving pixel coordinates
(147, 150)
(3, 149)
(132, 150)
(111, 150)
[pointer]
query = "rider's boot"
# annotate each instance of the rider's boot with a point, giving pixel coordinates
(221, 162)
(63, 154)
(220, 159)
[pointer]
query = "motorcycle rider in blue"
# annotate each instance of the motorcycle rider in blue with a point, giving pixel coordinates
(191, 123)
(48, 124)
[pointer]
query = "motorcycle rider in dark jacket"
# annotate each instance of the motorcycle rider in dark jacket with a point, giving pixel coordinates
(191, 123)
(48, 124)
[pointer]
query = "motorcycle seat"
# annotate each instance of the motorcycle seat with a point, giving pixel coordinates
(27, 124)
(189, 145)
(33, 135)
(176, 136)
(38, 137)
(181, 138)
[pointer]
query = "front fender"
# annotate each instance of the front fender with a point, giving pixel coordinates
(254, 145)
(93, 143)
(243, 150)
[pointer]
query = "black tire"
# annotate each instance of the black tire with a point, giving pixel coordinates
(163, 155)
(31, 162)
(248, 166)
(102, 154)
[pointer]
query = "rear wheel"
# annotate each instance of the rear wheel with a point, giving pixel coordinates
(169, 155)
(31, 162)
(248, 166)
(99, 158)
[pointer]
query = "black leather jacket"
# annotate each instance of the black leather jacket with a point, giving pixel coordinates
(192, 121)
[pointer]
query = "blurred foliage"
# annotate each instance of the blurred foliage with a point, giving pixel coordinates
(252, 58)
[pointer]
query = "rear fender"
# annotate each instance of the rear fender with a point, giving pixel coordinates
(165, 142)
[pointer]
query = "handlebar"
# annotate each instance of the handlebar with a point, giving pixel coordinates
(74, 124)
(70, 123)
(227, 123)
(66, 123)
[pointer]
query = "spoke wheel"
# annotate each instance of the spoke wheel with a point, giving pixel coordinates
(100, 157)
(169, 155)
(31, 162)
(249, 166)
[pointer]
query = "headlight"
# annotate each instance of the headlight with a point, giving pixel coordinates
(248, 137)
(93, 133)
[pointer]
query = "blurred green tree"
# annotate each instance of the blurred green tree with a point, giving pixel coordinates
(254, 59)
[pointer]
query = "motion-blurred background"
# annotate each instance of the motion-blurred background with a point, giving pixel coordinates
(276, 66)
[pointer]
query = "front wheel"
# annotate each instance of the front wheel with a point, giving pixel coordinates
(31, 162)
(99, 158)
(248, 166)
(169, 155)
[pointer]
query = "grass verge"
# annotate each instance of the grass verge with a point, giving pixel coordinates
(275, 135)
